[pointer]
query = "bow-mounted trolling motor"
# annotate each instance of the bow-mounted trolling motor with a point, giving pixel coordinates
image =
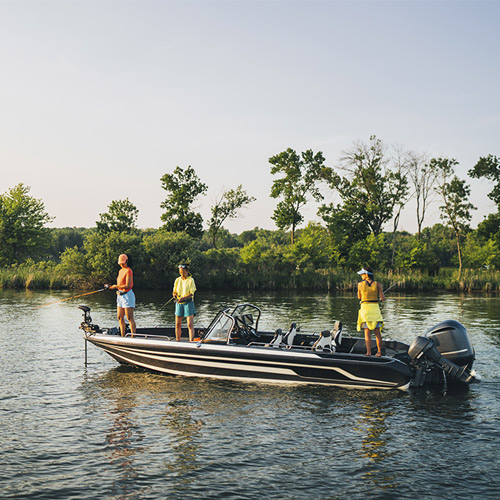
(444, 354)
(86, 325)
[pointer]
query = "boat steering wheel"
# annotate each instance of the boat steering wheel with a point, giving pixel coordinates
(244, 331)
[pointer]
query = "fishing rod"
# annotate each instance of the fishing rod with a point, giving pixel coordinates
(392, 286)
(74, 297)
(166, 303)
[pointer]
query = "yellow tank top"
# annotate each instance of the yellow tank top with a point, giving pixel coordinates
(369, 292)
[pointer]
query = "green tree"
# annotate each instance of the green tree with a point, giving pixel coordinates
(23, 234)
(373, 249)
(489, 167)
(166, 250)
(418, 256)
(456, 209)
(300, 177)
(102, 251)
(313, 248)
(74, 266)
(375, 184)
(65, 237)
(121, 216)
(227, 208)
(183, 186)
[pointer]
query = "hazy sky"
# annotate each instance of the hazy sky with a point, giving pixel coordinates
(99, 99)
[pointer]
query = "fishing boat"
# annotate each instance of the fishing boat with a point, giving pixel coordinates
(234, 347)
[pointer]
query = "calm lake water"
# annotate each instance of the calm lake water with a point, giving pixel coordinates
(109, 432)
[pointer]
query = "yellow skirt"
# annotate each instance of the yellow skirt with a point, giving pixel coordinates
(371, 315)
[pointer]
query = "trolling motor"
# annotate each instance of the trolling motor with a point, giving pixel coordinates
(445, 348)
(86, 325)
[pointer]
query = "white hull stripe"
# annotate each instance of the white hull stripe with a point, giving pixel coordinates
(236, 364)
(251, 379)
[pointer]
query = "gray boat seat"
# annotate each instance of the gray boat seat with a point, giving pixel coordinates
(324, 342)
(337, 334)
(277, 339)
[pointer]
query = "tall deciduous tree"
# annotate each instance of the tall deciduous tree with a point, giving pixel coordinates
(374, 189)
(183, 186)
(301, 173)
(23, 233)
(121, 216)
(401, 167)
(423, 180)
(454, 193)
(374, 183)
(226, 208)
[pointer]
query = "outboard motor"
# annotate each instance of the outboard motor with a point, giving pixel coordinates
(445, 347)
(452, 341)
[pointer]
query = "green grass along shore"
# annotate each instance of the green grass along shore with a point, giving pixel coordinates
(36, 277)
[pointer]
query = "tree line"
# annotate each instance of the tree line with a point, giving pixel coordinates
(373, 182)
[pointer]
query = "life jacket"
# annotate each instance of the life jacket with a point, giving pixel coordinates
(368, 291)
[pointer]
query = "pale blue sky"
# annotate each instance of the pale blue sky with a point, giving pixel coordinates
(98, 99)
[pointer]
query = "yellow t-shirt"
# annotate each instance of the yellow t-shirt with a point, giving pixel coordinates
(183, 287)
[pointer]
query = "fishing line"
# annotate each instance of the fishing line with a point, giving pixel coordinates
(69, 298)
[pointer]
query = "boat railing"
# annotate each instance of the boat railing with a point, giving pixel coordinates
(147, 335)
(280, 346)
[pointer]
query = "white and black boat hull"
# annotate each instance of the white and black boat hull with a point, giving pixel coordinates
(256, 363)
(233, 347)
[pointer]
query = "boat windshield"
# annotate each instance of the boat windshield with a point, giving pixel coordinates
(220, 327)
(244, 318)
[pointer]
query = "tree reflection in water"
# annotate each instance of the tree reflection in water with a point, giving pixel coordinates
(183, 429)
(123, 439)
(372, 425)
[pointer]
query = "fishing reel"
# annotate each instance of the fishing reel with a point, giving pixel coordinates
(86, 324)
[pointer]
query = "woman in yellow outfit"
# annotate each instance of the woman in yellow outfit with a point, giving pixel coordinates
(369, 317)
(183, 293)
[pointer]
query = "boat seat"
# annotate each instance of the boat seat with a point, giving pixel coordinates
(337, 334)
(277, 339)
(324, 342)
(290, 336)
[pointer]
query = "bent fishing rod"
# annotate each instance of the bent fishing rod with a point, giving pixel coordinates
(74, 297)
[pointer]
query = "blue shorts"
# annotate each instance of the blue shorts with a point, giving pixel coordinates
(186, 309)
(126, 300)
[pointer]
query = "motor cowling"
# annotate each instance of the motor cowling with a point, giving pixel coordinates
(445, 346)
(452, 341)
